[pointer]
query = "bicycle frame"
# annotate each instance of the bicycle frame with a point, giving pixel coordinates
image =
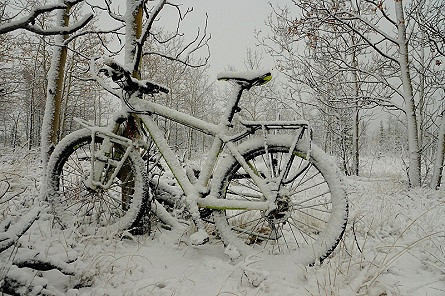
(198, 194)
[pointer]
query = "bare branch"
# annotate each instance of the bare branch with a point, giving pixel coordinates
(4, 191)
(379, 6)
(146, 31)
(183, 56)
(177, 59)
(108, 9)
(95, 32)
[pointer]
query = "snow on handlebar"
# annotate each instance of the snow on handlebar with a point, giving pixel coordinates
(128, 83)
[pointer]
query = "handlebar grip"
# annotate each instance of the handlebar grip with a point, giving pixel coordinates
(113, 70)
(119, 73)
(151, 88)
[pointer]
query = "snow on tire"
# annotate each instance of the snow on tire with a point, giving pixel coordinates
(312, 206)
(74, 205)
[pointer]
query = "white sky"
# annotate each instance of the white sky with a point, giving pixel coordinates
(231, 24)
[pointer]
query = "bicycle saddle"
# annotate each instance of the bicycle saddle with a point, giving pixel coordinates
(247, 79)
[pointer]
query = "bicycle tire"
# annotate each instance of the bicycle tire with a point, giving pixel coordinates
(312, 208)
(121, 207)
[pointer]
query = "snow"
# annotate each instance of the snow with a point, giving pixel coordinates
(394, 245)
(243, 75)
(199, 237)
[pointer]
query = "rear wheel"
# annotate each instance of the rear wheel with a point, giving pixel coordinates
(311, 204)
(119, 207)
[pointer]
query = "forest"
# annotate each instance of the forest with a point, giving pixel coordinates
(368, 75)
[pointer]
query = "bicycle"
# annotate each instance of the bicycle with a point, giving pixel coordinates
(264, 187)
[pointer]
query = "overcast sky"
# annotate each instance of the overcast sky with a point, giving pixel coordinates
(231, 24)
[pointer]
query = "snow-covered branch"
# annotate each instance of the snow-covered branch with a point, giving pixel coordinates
(28, 22)
(61, 30)
(38, 261)
(29, 19)
(16, 230)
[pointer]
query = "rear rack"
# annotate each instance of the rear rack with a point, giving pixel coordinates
(295, 124)
(266, 126)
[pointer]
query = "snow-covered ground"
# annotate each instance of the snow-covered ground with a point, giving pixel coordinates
(394, 245)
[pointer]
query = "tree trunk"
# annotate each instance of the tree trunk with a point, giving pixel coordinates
(356, 118)
(51, 120)
(414, 170)
(67, 85)
(355, 142)
(31, 119)
(133, 31)
(421, 87)
(438, 163)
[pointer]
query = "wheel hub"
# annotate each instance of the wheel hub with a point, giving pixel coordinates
(283, 210)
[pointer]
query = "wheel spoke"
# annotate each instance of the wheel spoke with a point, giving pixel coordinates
(312, 216)
(93, 208)
(303, 234)
(303, 205)
(311, 198)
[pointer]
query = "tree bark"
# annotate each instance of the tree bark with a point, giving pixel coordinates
(133, 31)
(51, 119)
(438, 163)
(356, 120)
(414, 170)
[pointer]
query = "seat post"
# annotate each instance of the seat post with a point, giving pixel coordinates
(243, 80)
(233, 101)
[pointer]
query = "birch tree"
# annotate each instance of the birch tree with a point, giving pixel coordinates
(51, 119)
(61, 30)
(386, 33)
(431, 19)
(325, 60)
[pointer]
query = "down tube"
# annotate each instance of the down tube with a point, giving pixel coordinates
(169, 156)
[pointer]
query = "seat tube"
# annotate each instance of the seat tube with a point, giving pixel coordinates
(226, 119)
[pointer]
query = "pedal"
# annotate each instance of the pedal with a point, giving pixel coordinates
(205, 213)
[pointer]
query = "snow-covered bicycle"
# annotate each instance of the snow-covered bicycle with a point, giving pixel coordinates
(264, 185)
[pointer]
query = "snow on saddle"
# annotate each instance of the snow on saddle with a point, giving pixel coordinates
(247, 79)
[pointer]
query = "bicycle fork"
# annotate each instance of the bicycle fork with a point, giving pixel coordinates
(107, 161)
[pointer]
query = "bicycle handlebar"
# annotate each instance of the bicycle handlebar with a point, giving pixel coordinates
(128, 83)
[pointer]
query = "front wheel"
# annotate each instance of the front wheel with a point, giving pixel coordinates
(311, 204)
(120, 207)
